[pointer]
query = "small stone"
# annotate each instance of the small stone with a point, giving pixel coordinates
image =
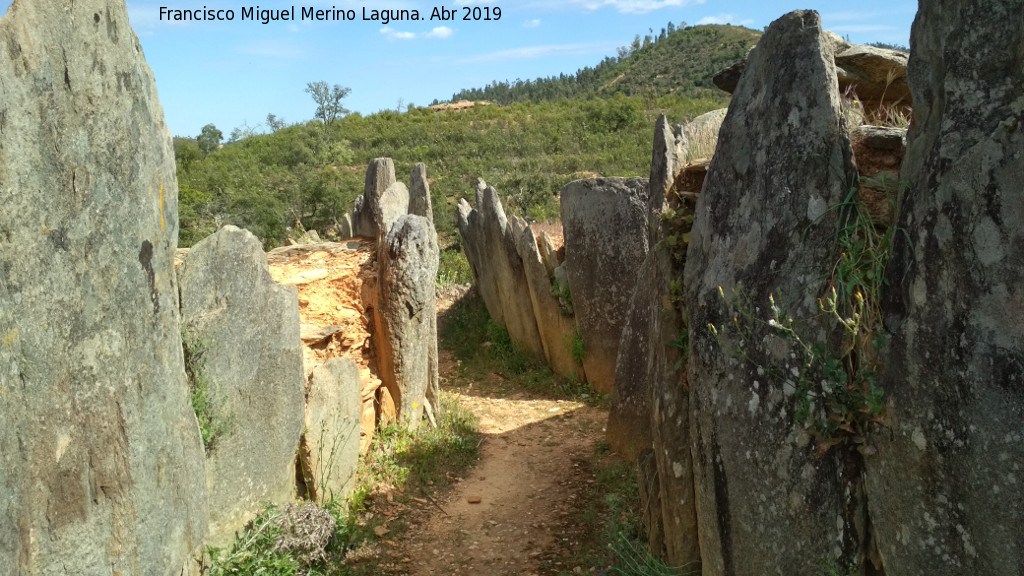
(474, 499)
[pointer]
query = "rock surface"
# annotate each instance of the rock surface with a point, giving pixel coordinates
(490, 247)
(405, 314)
(241, 335)
(766, 503)
(329, 449)
(101, 465)
(649, 416)
(605, 226)
(557, 329)
(419, 193)
(380, 175)
(876, 76)
(945, 487)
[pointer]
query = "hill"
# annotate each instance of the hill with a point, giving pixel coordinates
(680, 62)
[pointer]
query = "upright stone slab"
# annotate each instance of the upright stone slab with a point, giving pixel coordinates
(605, 226)
(649, 419)
(555, 327)
(380, 175)
(766, 503)
(946, 489)
(490, 247)
(329, 449)
(241, 336)
(101, 466)
(419, 192)
(406, 315)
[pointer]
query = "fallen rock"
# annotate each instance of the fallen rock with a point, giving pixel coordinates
(605, 224)
(101, 465)
(243, 351)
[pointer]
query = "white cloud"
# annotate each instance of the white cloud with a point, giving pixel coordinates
(531, 23)
(392, 34)
(534, 52)
(440, 32)
(635, 6)
(724, 19)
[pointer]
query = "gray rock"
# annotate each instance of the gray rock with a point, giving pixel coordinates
(555, 327)
(312, 334)
(605, 224)
(419, 193)
(766, 502)
(876, 75)
(548, 254)
(367, 211)
(944, 489)
(101, 466)
(394, 202)
(881, 137)
(490, 247)
(405, 314)
(329, 449)
(241, 336)
(345, 227)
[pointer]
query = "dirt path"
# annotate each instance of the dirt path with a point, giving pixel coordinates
(513, 513)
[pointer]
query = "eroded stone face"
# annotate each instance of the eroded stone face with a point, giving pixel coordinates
(945, 487)
(605, 226)
(101, 466)
(766, 502)
(242, 337)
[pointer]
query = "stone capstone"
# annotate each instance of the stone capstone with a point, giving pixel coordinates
(101, 464)
(242, 343)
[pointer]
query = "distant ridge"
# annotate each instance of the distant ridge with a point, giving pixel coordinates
(678, 61)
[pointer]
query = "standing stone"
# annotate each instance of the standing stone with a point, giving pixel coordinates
(380, 175)
(766, 503)
(605, 226)
(945, 489)
(649, 419)
(490, 247)
(555, 327)
(419, 193)
(242, 341)
(405, 313)
(330, 443)
(101, 465)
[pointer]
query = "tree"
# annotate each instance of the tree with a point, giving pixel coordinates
(275, 123)
(242, 132)
(209, 139)
(328, 101)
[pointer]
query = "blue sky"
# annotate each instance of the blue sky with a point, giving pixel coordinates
(235, 73)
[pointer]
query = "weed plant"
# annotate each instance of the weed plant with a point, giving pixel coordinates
(213, 423)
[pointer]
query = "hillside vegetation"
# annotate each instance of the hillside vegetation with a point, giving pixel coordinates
(306, 176)
(680, 62)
